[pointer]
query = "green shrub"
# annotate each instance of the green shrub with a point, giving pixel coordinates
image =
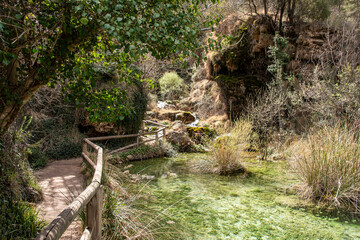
(123, 218)
(37, 159)
(172, 86)
(18, 220)
(328, 163)
(64, 149)
(227, 150)
(16, 177)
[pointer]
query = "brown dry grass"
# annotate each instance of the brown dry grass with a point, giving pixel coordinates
(328, 163)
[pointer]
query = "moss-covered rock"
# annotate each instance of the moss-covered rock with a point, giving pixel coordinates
(198, 133)
(185, 117)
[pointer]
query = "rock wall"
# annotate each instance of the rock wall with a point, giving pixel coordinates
(240, 69)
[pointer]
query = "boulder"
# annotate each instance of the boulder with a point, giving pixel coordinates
(181, 140)
(185, 117)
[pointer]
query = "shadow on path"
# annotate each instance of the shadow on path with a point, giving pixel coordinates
(61, 181)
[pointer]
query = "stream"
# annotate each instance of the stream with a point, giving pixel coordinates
(261, 205)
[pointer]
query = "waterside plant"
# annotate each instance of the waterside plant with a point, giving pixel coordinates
(328, 163)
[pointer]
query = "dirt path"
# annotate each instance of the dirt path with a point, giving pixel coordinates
(61, 181)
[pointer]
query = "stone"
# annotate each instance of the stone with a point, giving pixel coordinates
(181, 140)
(185, 117)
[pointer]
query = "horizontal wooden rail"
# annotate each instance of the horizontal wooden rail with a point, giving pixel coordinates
(88, 160)
(155, 123)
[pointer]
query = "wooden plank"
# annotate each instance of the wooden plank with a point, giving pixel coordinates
(123, 148)
(142, 126)
(164, 135)
(86, 235)
(99, 166)
(88, 160)
(84, 147)
(155, 123)
(117, 136)
(129, 146)
(93, 145)
(93, 214)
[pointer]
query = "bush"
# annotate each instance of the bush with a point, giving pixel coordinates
(16, 177)
(37, 159)
(328, 163)
(122, 218)
(172, 86)
(227, 149)
(18, 220)
(64, 149)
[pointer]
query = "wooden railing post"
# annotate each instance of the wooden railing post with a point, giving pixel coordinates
(84, 147)
(143, 126)
(137, 141)
(93, 214)
(163, 136)
(157, 137)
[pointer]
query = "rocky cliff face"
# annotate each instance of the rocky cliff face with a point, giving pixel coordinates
(240, 69)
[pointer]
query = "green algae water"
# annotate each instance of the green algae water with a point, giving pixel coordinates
(261, 205)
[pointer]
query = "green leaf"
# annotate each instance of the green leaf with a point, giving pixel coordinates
(84, 21)
(18, 16)
(78, 8)
(6, 61)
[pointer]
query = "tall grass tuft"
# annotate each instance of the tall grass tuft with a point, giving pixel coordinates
(18, 220)
(329, 166)
(123, 217)
(228, 148)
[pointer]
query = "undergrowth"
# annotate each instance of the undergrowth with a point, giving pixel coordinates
(18, 218)
(228, 149)
(328, 163)
(123, 220)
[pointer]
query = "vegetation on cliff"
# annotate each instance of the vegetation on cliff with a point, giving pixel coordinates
(289, 67)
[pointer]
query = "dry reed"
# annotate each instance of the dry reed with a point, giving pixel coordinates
(328, 163)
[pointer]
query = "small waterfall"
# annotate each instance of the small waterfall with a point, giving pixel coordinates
(194, 123)
(161, 104)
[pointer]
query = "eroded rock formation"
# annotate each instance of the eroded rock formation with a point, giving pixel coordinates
(240, 69)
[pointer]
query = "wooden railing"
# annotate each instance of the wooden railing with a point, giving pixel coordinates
(92, 196)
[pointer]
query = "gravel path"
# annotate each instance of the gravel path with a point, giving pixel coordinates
(61, 181)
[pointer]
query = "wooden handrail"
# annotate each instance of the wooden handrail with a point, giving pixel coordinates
(92, 196)
(155, 123)
(58, 226)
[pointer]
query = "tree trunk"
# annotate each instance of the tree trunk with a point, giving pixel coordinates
(265, 7)
(15, 96)
(291, 10)
(282, 10)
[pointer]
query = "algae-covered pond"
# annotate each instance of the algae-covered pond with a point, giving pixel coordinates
(262, 205)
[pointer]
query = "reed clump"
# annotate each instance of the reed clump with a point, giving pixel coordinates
(328, 163)
(227, 149)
